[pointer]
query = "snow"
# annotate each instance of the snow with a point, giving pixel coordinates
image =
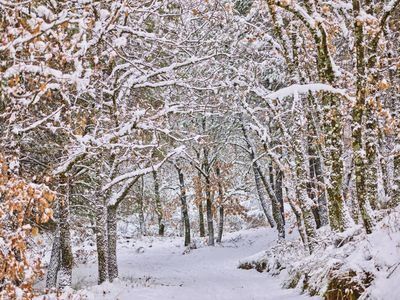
(18, 130)
(142, 171)
(374, 257)
(302, 89)
(163, 272)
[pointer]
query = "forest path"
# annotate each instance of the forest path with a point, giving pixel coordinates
(161, 272)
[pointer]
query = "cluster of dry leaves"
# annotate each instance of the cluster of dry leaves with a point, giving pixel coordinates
(23, 206)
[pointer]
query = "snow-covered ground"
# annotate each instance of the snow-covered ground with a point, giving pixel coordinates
(160, 270)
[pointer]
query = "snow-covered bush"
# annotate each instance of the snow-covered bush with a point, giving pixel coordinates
(347, 265)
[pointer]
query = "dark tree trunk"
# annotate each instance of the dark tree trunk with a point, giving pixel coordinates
(221, 205)
(142, 225)
(220, 224)
(277, 208)
(312, 188)
(101, 242)
(159, 211)
(185, 214)
(112, 242)
(322, 203)
(210, 223)
(201, 220)
(67, 259)
(279, 193)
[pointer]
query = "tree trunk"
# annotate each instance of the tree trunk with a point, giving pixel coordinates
(221, 204)
(210, 223)
(159, 211)
(261, 196)
(220, 223)
(112, 242)
(277, 216)
(360, 160)
(185, 214)
(291, 194)
(67, 259)
(396, 188)
(306, 204)
(142, 225)
(277, 209)
(55, 258)
(101, 241)
(209, 201)
(276, 212)
(201, 220)
(54, 264)
(279, 192)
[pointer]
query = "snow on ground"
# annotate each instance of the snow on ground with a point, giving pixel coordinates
(163, 272)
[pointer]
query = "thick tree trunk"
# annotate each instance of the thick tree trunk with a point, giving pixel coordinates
(338, 216)
(210, 222)
(220, 223)
(199, 196)
(112, 242)
(67, 259)
(360, 161)
(201, 220)
(54, 264)
(101, 242)
(277, 208)
(185, 214)
(159, 211)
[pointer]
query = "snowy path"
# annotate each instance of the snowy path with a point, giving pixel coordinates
(163, 273)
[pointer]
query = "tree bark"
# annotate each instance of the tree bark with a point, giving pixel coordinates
(259, 176)
(360, 161)
(220, 223)
(261, 196)
(306, 204)
(221, 204)
(112, 242)
(185, 213)
(279, 193)
(159, 211)
(210, 222)
(54, 264)
(101, 241)
(67, 259)
(201, 220)
(142, 225)
(396, 189)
